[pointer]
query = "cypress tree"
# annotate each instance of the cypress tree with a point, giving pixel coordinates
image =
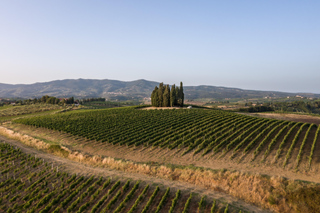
(153, 96)
(160, 95)
(181, 94)
(156, 98)
(177, 96)
(166, 96)
(173, 97)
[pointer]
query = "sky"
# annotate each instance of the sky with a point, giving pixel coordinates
(260, 45)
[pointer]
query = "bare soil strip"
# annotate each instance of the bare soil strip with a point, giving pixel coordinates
(289, 117)
(83, 169)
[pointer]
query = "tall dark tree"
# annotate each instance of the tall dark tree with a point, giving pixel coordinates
(44, 98)
(70, 100)
(57, 101)
(166, 96)
(181, 95)
(51, 100)
(160, 95)
(154, 97)
(177, 96)
(173, 97)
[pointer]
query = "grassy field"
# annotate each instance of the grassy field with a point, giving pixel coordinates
(8, 113)
(30, 184)
(203, 133)
(27, 109)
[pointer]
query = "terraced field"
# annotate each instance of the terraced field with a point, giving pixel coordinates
(204, 133)
(30, 184)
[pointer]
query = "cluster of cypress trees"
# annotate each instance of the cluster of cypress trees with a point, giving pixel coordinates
(162, 96)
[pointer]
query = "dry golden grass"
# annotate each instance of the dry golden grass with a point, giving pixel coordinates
(28, 109)
(30, 141)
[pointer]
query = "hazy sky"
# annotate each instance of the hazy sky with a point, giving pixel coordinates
(263, 45)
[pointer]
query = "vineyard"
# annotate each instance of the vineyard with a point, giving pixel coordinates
(29, 184)
(206, 133)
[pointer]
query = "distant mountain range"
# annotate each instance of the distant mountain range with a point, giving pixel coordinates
(121, 90)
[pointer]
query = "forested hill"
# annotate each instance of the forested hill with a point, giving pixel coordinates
(121, 90)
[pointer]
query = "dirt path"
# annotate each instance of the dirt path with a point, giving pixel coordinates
(287, 116)
(82, 169)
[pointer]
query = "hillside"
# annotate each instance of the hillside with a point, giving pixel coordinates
(216, 150)
(121, 90)
(204, 133)
(80, 88)
(193, 149)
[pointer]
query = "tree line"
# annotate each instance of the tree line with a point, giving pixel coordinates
(163, 96)
(257, 109)
(44, 100)
(297, 106)
(85, 100)
(286, 106)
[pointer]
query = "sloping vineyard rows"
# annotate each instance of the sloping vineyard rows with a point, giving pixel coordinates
(29, 184)
(204, 132)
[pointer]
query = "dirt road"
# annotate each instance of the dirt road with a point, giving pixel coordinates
(287, 116)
